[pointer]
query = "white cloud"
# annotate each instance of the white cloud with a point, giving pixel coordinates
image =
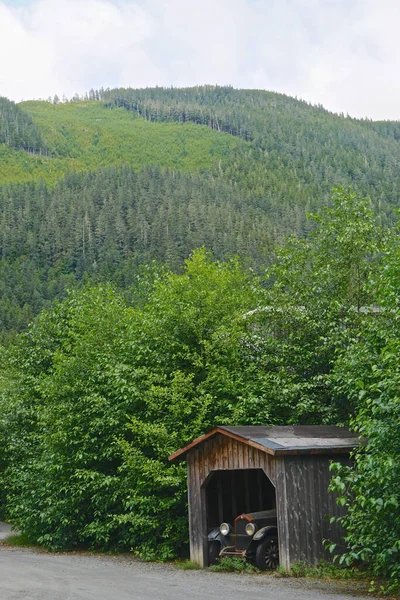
(341, 53)
(68, 46)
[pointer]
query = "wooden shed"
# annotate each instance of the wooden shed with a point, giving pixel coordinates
(234, 470)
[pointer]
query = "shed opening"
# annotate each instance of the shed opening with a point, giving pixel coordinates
(230, 493)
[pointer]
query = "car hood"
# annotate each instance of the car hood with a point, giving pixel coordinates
(263, 514)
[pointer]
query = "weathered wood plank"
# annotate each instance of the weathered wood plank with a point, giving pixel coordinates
(282, 513)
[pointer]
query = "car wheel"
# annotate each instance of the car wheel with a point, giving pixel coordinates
(267, 554)
(214, 548)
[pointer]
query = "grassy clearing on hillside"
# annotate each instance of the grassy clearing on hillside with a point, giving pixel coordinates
(85, 135)
(17, 166)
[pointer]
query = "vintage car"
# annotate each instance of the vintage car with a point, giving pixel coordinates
(253, 536)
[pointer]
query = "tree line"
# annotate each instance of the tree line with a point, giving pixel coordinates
(18, 130)
(104, 225)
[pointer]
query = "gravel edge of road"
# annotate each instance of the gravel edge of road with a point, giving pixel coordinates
(332, 586)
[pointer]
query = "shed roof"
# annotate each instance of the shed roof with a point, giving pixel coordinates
(299, 439)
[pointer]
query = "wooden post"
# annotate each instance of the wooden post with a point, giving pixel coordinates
(197, 513)
(282, 514)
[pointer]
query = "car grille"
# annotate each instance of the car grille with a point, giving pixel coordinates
(242, 539)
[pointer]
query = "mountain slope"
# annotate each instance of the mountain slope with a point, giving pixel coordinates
(317, 148)
(163, 171)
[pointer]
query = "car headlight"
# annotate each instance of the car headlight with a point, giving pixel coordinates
(225, 528)
(260, 533)
(251, 528)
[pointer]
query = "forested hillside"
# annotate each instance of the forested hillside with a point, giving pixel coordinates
(169, 170)
(314, 147)
(104, 225)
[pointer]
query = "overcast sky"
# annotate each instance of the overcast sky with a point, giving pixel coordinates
(344, 54)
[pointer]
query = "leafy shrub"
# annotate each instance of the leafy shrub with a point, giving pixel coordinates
(234, 564)
(326, 570)
(370, 489)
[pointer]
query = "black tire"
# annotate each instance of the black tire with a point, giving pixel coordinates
(267, 554)
(214, 548)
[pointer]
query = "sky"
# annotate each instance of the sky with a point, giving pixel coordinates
(343, 54)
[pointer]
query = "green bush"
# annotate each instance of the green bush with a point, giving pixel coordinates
(370, 489)
(234, 564)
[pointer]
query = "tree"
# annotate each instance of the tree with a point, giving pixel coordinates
(368, 372)
(317, 288)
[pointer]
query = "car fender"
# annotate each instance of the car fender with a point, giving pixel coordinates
(264, 531)
(261, 534)
(216, 536)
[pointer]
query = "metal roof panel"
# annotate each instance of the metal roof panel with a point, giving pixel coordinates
(296, 439)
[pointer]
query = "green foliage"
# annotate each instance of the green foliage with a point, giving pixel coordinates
(312, 310)
(326, 570)
(369, 373)
(233, 564)
(18, 541)
(96, 395)
(73, 480)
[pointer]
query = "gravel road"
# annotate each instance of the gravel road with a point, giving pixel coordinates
(5, 530)
(30, 575)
